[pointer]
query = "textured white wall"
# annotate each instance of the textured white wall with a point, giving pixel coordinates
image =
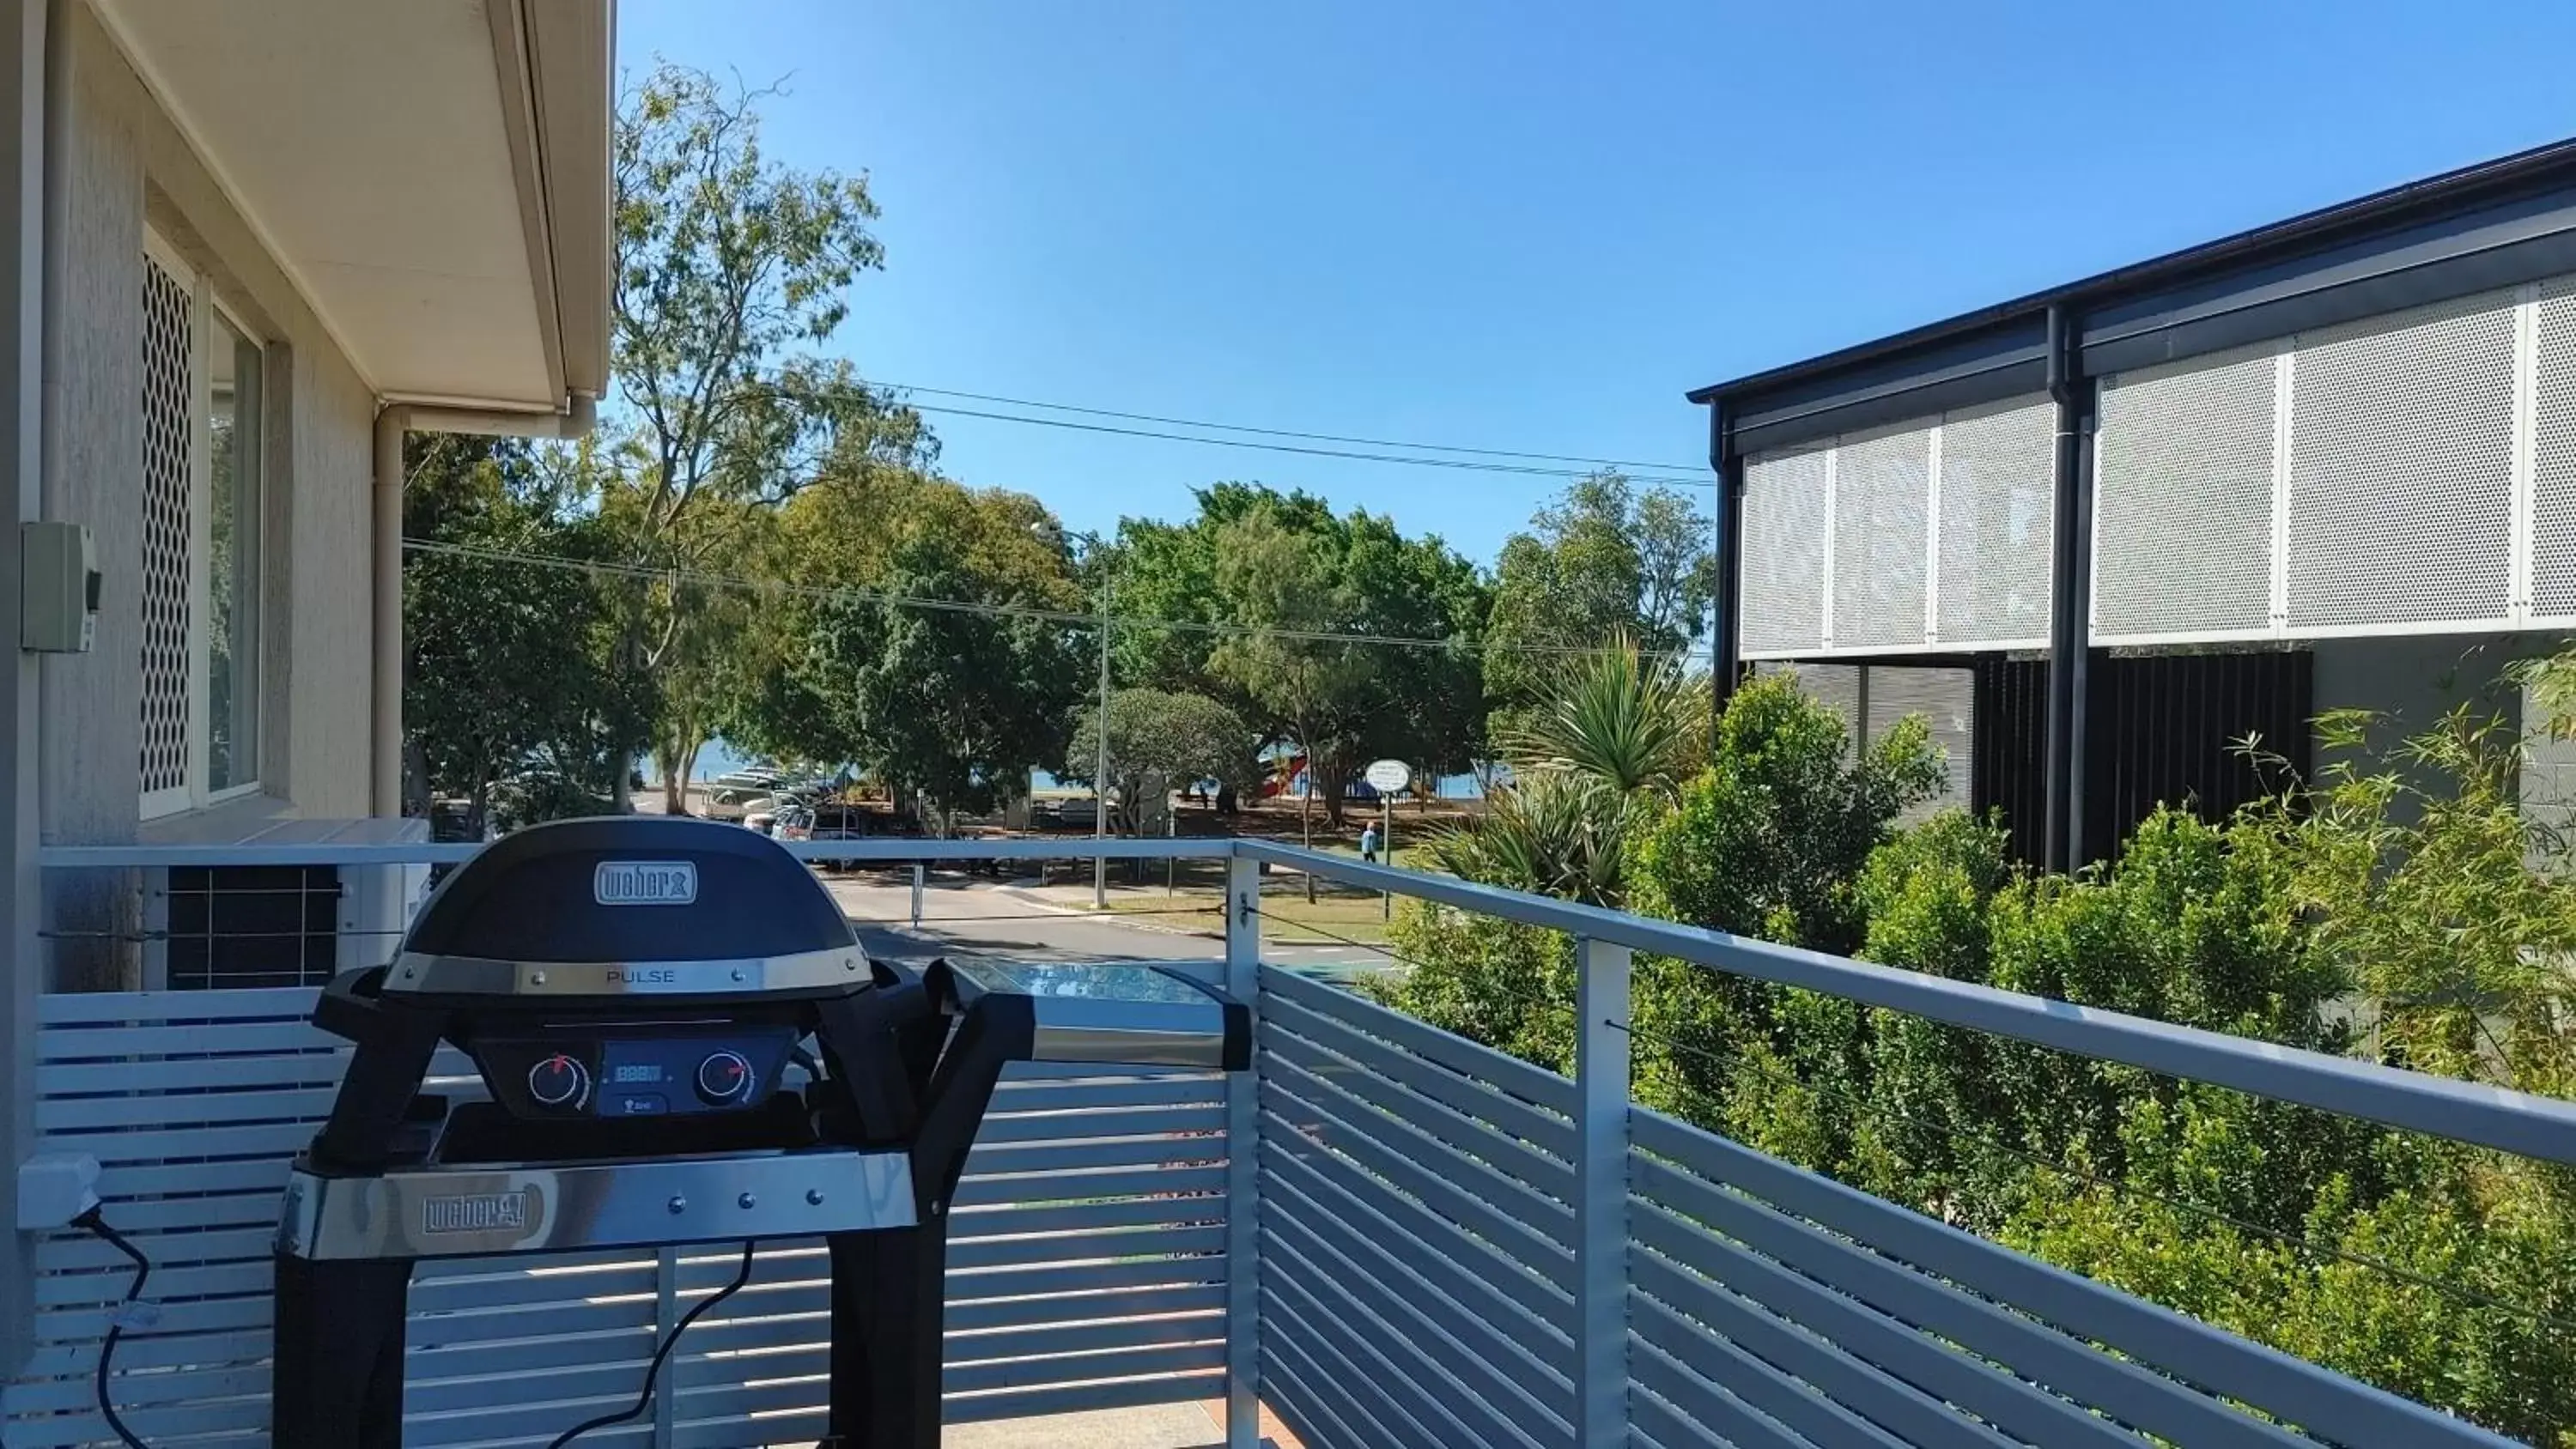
(130, 166)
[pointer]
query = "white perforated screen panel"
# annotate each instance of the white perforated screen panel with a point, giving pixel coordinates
(1783, 591)
(2401, 459)
(1882, 493)
(2553, 456)
(1996, 505)
(169, 388)
(2183, 499)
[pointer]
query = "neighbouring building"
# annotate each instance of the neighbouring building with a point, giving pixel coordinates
(2329, 463)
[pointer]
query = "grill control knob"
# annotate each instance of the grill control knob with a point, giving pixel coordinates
(724, 1078)
(559, 1081)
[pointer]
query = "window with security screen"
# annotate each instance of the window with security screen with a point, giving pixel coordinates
(203, 469)
(233, 927)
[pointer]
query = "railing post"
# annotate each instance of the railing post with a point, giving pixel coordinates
(1243, 1168)
(917, 871)
(666, 1317)
(1601, 1193)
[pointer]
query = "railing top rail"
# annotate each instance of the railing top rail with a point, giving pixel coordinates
(885, 849)
(2517, 1122)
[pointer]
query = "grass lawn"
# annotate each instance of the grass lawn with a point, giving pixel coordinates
(1195, 897)
(1334, 918)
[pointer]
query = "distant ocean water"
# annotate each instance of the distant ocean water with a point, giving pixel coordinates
(719, 758)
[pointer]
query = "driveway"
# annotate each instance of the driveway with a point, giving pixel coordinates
(992, 919)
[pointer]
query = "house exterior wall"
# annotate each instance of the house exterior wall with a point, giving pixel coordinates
(131, 167)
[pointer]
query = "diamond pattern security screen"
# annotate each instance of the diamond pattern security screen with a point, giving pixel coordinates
(169, 387)
(2553, 546)
(2402, 468)
(1997, 503)
(1882, 498)
(2182, 501)
(1783, 596)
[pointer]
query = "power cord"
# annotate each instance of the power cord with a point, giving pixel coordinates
(91, 1221)
(116, 1319)
(653, 1370)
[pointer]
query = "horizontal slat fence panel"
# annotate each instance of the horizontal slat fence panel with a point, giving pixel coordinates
(1416, 1267)
(1838, 1317)
(1086, 1262)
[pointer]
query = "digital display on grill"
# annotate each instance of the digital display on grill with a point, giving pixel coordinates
(627, 1073)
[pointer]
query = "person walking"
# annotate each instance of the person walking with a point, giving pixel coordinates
(1368, 844)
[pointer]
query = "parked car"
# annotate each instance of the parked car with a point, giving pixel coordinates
(825, 822)
(1081, 811)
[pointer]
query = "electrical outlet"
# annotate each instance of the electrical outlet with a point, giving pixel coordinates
(54, 1188)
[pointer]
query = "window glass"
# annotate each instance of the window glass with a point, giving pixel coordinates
(232, 623)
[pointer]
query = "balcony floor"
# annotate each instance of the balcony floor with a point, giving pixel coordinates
(1164, 1426)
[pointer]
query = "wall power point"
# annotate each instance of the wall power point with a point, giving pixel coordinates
(54, 1188)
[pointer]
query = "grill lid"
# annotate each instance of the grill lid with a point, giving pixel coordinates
(629, 905)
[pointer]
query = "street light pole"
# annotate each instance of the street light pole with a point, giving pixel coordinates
(1100, 763)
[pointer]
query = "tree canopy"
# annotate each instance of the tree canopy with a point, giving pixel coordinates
(1601, 561)
(507, 666)
(1178, 738)
(1294, 607)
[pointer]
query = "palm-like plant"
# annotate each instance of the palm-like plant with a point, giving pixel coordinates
(1621, 732)
(1624, 719)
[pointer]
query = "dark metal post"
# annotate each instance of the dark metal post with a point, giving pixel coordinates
(2069, 587)
(1727, 637)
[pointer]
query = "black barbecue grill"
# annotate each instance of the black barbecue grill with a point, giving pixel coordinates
(633, 992)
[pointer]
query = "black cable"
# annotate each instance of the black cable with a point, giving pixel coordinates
(1690, 469)
(653, 1370)
(91, 1221)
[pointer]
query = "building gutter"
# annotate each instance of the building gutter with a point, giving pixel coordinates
(393, 421)
(2069, 586)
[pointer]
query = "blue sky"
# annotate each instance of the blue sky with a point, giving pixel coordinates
(1528, 226)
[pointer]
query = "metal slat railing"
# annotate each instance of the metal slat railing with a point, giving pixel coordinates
(1388, 1234)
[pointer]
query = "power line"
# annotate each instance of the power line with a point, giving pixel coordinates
(1458, 464)
(1021, 402)
(1528, 470)
(602, 568)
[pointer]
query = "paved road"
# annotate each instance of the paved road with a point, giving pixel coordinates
(994, 920)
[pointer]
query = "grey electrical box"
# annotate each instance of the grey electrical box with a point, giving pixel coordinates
(58, 588)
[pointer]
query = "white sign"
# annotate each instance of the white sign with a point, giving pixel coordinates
(1389, 776)
(645, 883)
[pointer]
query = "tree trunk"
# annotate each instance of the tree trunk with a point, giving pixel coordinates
(1306, 809)
(621, 789)
(477, 803)
(1334, 779)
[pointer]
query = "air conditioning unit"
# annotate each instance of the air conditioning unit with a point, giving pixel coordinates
(208, 927)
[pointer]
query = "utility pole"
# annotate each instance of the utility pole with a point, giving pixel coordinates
(1100, 764)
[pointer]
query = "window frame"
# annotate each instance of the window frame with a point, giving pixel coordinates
(203, 309)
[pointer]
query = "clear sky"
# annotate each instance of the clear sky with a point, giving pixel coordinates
(1532, 226)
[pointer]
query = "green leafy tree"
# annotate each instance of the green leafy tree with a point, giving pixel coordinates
(1308, 599)
(727, 266)
(508, 664)
(1601, 561)
(930, 565)
(1178, 739)
(955, 704)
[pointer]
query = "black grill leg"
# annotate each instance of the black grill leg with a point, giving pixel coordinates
(888, 1292)
(336, 1381)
